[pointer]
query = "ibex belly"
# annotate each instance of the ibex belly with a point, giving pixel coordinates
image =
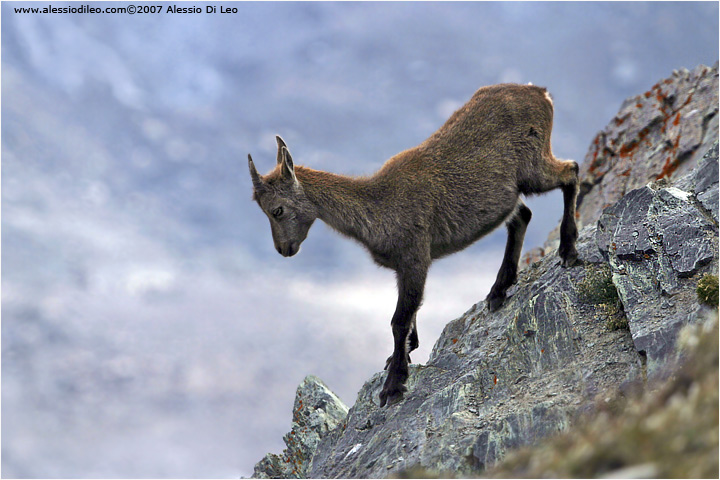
(458, 232)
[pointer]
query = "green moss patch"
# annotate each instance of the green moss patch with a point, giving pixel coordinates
(598, 289)
(707, 290)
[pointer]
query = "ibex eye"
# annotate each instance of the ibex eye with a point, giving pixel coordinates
(277, 212)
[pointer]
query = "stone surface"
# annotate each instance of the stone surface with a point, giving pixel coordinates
(668, 431)
(657, 239)
(497, 381)
(660, 134)
(706, 182)
(316, 412)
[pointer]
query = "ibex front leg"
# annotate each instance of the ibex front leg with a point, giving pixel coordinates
(413, 343)
(411, 283)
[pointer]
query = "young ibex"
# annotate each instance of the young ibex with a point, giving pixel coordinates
(433, 200)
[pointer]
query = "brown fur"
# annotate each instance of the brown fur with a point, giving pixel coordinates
(433, 200)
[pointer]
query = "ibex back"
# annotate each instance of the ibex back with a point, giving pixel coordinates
(433, 200)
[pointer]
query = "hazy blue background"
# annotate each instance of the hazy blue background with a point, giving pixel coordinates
(149, 327)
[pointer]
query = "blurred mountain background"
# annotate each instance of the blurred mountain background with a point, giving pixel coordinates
(149, 327)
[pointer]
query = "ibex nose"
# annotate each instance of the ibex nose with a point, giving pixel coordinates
(287, 250)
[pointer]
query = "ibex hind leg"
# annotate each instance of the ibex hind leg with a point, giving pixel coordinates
(516, 227)
(568, 227)
(561, 174)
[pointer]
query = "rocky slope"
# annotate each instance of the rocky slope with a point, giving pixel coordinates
(667, 432)
(497, 381)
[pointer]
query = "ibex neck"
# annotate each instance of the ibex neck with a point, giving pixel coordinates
(344, 203)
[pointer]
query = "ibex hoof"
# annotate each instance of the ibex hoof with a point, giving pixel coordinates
(569, 260)
(391, 396)
(495, 302)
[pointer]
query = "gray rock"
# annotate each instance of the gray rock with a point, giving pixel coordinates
(686, 236)
(496, 381)
(661, 133)
(316, 412)
(706, 182)
(656, 276)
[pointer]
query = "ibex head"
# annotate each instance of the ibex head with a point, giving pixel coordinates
(283, 200)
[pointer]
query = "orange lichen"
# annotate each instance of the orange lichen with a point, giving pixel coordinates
(687, 100)
(627, 149)
(602, 154)
(671, 163)
(593, 162)
(669, 168)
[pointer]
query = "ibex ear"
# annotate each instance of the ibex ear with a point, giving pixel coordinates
(288, 168)
(257, 181)
(281, 144)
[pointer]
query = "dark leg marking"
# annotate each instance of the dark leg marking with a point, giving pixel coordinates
(508, 270)
(568, 227)
(413, 343)
(411, 283)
